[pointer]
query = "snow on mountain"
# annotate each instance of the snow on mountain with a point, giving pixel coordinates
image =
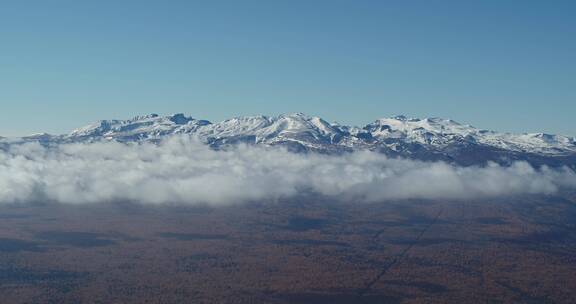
(430, 138)
(294, 128)
(438, 132)
(138, 128)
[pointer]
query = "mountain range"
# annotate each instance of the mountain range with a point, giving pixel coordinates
(399, 136)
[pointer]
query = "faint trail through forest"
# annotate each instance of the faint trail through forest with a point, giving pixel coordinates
(398, 258)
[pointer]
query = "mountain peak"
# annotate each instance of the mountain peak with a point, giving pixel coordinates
(400, 117)
(145, 117)
(296, 115)
(180, 119)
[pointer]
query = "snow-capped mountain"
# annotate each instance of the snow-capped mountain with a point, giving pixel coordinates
(439, 132)
(429, 139)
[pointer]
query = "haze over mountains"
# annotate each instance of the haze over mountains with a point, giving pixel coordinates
(423, 139)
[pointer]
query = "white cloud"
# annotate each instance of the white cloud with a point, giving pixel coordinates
(181, 170)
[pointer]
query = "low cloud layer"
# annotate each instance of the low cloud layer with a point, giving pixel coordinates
(181, 170)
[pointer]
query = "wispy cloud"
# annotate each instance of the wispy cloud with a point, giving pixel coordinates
(181, 170)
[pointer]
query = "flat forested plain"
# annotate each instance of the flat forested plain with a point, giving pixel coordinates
(305, 250)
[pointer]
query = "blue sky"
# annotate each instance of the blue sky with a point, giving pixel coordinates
(503, 65)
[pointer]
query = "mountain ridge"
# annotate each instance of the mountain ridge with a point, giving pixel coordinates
(428, 139)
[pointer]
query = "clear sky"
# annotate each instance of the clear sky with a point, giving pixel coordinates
(503, 65)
